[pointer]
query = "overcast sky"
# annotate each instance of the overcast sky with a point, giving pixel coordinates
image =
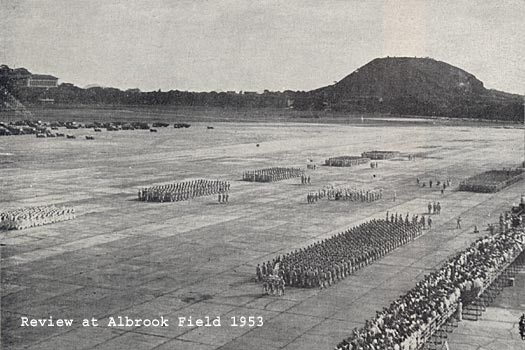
(254, 45)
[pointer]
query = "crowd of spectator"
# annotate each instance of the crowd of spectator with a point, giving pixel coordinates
(458, 282)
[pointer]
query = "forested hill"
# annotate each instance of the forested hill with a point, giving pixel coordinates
(418, 86)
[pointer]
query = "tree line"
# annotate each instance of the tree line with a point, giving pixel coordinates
(483, 107)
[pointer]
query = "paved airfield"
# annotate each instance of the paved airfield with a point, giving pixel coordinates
(122, 257)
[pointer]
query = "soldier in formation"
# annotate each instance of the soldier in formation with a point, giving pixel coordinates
(324, 263)
(223, 197)
(183, 190)
(273, 285)
(311, 166)
(272, 174)
(313, 197)
(305, 179)
(346, 161)
(434, 208)
(444, 184)
(19, 219)
(345, 193)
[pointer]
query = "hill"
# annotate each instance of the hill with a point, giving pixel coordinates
(423, 86)
(422, 78)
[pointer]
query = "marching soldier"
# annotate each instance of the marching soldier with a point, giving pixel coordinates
(266, 287)
(321, 264)
(185, 190)
(280, 286)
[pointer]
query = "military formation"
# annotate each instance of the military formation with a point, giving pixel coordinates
(183, 190)
(460, 281)
(492, 180)
(223, 197)
(323, 263)
(19, 219)
(311, 166)
(272, 174)
(346, 161)
(306, 180)
(354, 194)
(273, 285)
(423, 222)
(380, 154)
(434, 183)
(434, 208)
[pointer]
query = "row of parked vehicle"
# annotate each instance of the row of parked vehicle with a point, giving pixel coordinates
(58, 134)
(45, 129)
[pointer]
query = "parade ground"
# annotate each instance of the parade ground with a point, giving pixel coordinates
(124, 257)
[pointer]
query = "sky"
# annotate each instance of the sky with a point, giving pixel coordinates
(255, 45)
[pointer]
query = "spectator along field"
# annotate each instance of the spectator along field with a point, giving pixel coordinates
(121, 256)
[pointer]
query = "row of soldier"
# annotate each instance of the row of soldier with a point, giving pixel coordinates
(183, 190)
(18, 219)
(440, 294)
(224, 197)
(443, 184)
(273, 285)
(325, 262)
(345, 193)
(313, 197)
(311, 166)
(272, 174)
(415, 220)
(434, 208)
(354, 194)
(346, 161)
(305, 179)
